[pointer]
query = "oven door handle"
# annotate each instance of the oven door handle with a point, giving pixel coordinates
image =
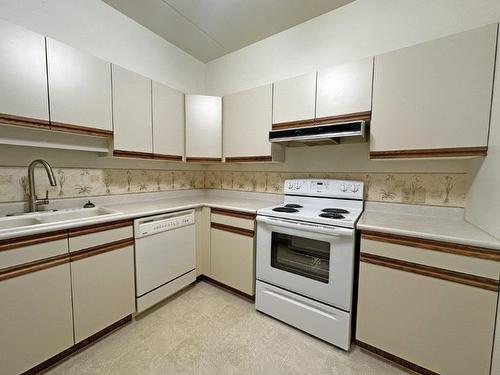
(310, 227)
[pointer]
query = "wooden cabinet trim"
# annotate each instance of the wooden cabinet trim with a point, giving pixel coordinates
(248, 159)
(208, 279)
(99, 227)
(430, 153)
(66, 353)
(438, 273)
(133, 154)
(358, 116)
(230, 228)
(233, 213)
(77, 129)
(293, 124)
(24, 121)
(391, 357)
(445, 247)
(99, 249)
(30, 267)
(34, 239)
(167, 157)
(193, 159)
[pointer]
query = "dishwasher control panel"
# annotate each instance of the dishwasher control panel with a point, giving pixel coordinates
(161, 223)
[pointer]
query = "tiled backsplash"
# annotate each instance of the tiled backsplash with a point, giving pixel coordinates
(417, 188)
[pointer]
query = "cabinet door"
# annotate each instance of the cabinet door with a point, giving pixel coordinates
(133, 127)
(247, 118)
(79, 88)
(440, 325)
(203, 128)
(103, 290)
(294, 99)
(23, 81)
(232, 259)
(345, 89)
(35, 317)
(433, 99)
(168, 122)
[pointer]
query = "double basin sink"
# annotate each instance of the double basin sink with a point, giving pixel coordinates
(38, 218)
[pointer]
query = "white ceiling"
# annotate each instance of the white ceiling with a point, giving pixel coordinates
(208, 29)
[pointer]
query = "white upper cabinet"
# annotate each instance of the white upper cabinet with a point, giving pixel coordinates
(79, 88)
(23, 78)
(246, 119)
(345, 89)
(434, 99)
(203, 128)
(168, 122)
(133, 127)
(294, 99)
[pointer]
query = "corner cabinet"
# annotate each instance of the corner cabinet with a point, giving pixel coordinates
(168, 122)
(434, 99)
(23, 81)
(79, 91)
(246, 119)
(232, 254)
(427, 305)
(203, 128)
(132, 118)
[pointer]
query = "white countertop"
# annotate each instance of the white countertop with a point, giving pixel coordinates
(140, 205)
(433, 223)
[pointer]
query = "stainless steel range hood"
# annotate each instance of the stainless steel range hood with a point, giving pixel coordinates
(315, 135)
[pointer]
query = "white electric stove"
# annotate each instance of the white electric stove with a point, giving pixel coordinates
(305, 257)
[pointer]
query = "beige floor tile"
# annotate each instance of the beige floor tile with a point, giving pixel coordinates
(206, 330)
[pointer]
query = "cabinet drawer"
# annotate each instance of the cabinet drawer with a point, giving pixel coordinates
(33, 248)
(435, 258)
(440, 325)
(232, 260)
(35, 317)
(102, 283)
(233, 218)
(87, 237)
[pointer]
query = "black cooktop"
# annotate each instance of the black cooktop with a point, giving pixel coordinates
(330, 215)
(293, 205)
(285, 209)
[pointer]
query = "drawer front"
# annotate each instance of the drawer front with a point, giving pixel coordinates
(233, 221)
(101, 237)
(35, 317)
(103, 283)
(232, 260)
(440, 325)
(308, 315)
(455, 262)
(35, 252)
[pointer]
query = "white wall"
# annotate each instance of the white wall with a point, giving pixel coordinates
(359, 29)
(95, 27)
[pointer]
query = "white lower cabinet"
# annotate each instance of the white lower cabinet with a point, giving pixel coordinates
(35, 318)
(441, 320)
(232, 255)
(103, 290)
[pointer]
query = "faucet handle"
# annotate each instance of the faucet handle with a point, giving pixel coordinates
(46, 195)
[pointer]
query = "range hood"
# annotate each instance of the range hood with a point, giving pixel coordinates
(315, 135)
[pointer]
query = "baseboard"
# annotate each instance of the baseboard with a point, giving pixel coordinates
(227, 287)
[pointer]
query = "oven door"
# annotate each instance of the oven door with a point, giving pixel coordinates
(314, 260)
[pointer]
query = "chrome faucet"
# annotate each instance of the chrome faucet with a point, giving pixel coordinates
(33, 201)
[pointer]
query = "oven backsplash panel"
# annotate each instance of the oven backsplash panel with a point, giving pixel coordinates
(437, 189)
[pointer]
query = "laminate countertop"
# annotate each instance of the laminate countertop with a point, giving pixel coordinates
(426, 222)
(131, 207)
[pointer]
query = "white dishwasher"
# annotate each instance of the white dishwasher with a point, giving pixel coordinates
(165, 256)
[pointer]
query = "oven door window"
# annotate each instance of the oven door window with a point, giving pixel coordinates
(301, 256)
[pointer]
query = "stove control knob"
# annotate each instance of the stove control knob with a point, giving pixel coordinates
(354, 188)
(343, 188)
